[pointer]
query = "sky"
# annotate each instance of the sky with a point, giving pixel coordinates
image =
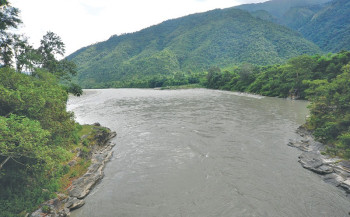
(80, 23)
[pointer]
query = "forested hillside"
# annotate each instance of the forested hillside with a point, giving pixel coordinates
(330, 27)
(189, 44)
(324, 22)
(278, 8)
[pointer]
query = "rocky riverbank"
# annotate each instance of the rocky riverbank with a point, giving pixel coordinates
(335, 171)
(101, 153)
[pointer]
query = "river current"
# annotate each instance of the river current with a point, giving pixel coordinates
(201, 153)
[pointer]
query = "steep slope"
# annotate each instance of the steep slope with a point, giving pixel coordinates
(297, 17)
(330, 27)
(278, 8)
(324, 22)
(191, 43)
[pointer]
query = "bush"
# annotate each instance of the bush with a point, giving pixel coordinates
(345, 139)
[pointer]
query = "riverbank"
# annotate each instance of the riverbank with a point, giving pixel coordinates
(333, 170)
(181, 87)
(98, 153)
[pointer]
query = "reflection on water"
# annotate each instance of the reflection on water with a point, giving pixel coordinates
(203, 153)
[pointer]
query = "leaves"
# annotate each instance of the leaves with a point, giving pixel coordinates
(21, 137)
(34, 128)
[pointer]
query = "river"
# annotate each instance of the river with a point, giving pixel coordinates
(201, 153)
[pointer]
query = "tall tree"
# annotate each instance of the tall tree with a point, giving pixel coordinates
(9, 17)
(51, 46)
(26, 57)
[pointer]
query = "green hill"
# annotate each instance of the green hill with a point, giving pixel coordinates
(324, 22)
(298, 17)
(279, 8)
(189, 44)
(330, 27)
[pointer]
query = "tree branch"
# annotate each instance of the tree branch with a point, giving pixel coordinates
(3, 163)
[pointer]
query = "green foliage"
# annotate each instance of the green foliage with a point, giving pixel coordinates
(278, 8)
(193, 43)
(330, 27)
(75, 89)
(39, 98)
(24, 139)
(9, 17)
(15, 50)
(46, 209)
(324, 22)
(36, 132)
(324, 80)
(330, 112)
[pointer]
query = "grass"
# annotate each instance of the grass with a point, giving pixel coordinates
(85, 130)
(74, 172)
(80, 168)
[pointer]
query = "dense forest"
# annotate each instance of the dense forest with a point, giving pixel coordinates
(189, 44)
(324, 22)
(226, 49)
(261, 34)
(280, 8)
(37, 134)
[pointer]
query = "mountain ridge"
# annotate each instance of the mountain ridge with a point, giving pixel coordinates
(279, 7)
(193, 43)
(324, 22)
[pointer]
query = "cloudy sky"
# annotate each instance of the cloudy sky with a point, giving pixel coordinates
(84, 22)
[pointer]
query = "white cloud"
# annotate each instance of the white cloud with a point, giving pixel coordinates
(83, 22)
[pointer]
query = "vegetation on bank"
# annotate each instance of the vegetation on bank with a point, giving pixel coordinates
(190, 44)
(323, 80)
(38, 137)
(37, 134)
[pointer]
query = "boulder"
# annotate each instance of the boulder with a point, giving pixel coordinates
(82, 186)
(313, 161)
(74, 203)
(333, 179)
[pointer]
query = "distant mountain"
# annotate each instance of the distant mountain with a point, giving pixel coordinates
(330, 27)
(279, 8)
(192, 43)
(324, 22)
(297, 17)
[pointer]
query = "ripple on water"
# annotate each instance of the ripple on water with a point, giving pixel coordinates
(203, 153)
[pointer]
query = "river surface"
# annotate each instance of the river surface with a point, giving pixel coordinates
(203, 153)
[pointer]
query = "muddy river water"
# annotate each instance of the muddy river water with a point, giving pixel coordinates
(203, 153)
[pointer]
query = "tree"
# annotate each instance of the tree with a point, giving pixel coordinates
(26, 57)
(9, 17)
(50, 46)
(21, 140)
(213, 77)
(330, 109)
(6, 53)
(247, 73)
(3, 2)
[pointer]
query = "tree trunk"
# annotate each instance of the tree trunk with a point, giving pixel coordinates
(3, 163)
